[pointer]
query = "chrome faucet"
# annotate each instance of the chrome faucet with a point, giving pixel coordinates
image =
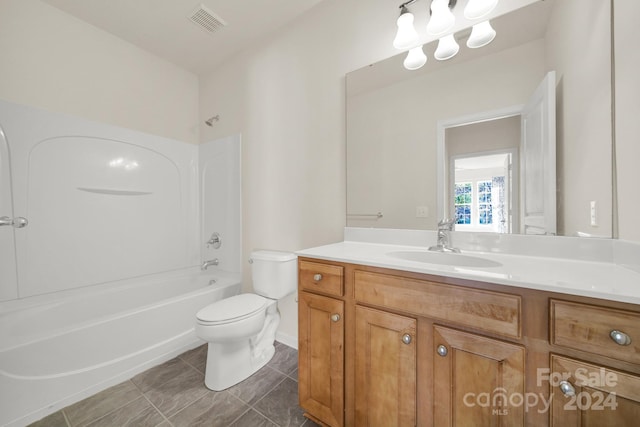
(443, 245)
(209, 263)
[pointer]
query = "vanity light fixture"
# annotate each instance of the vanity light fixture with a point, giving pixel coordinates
(442, 19)
(476, 9)
(481, 35)
(415, 59)
(407, 36)
(447, 48)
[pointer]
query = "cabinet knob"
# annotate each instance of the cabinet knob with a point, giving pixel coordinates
(335, 317)
(317, 277)
(442, 350)
(406, 338)
(567, 389)
(620, 338)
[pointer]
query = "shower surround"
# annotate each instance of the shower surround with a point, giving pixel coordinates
(103, 281)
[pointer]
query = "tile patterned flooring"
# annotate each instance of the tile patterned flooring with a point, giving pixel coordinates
(174, 394)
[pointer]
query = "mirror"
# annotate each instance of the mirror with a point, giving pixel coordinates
(399, 177)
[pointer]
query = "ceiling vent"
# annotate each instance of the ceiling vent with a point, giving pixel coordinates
(206, 19)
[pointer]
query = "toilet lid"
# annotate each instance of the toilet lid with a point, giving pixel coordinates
(232, 309)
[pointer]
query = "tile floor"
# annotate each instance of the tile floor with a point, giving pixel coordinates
(174, 394)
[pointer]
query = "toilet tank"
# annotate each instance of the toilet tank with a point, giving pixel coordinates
(274, 273)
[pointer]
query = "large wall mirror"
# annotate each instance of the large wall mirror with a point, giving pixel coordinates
(452, 139)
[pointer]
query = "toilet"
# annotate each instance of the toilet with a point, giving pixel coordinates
(241, 329)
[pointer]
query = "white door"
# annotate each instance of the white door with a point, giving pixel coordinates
(8, 277)
(538, 160)
(507, 210)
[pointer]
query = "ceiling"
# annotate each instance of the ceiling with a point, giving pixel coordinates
(163, 27)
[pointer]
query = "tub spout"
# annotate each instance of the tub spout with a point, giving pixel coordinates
(209, 263)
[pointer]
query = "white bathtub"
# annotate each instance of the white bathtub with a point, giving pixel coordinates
(60, 348)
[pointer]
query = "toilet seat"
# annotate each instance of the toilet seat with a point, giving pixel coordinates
(232, 309)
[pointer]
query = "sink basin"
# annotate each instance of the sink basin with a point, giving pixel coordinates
(444, 258)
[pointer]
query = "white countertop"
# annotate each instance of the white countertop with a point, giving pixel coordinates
(589, 278)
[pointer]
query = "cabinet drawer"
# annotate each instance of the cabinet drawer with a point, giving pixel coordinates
(323, 278)
(489, 311)
(589, 328)
(602, 396)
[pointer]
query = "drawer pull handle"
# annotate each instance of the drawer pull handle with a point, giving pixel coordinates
(442, 350)
(620, 338)
(335, 317)
(317, 277)
(567, 389)
(406, 338)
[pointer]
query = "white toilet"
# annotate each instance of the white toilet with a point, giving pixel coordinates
(241, 329)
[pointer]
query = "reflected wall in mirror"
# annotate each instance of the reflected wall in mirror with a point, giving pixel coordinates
(393, 117)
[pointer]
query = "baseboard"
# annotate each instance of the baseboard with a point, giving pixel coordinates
(288, 340)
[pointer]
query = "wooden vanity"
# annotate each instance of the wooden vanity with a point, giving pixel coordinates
(383, 347)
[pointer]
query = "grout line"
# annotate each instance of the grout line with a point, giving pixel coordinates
(152, 405)
(66, 420)
(249, 407)
(89, 422)
(191, 365)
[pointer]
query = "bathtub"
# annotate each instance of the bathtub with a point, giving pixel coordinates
(60, 348)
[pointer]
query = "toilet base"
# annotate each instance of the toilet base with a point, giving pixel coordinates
(238, 365)
(231, 362)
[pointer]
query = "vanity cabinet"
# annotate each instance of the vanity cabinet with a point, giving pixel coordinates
(382, 347)
(385, 368)
(592, 395)
(473, 379)
(588, 393)
(321, 343)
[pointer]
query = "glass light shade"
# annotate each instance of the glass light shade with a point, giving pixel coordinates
(407, 35)
(442, 19)
(415, 59)
(476, 9)
(447, 48)
(481, 35)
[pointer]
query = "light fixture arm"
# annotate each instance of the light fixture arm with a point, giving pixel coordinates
(405, 4)
(452, 4)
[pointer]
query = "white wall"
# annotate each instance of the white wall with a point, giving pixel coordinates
(286, 97)
(56, 62)
(584, 137)
(627, 106)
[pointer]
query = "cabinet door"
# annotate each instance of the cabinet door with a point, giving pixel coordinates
(586, 395)
(385, 371)
(321, 357)
(478, 381)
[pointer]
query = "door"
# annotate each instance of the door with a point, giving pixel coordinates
(385, 369)
(321, 357)
(8, 275)
(476, 380)
(509, 195)
(538, 159)
(586, 395)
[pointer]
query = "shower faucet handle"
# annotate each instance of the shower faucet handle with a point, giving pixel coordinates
(215, 241)
(17, 222)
